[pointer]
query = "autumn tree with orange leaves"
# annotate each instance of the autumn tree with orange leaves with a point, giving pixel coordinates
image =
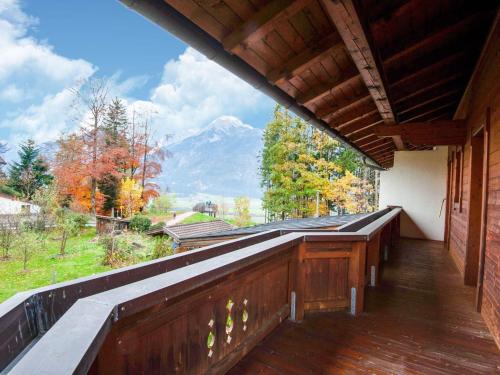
(149, 155)
(93, 162)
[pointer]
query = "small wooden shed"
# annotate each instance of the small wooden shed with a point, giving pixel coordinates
(107, 224)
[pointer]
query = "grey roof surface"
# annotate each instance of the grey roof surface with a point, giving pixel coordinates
(307, 223)
(182, 231)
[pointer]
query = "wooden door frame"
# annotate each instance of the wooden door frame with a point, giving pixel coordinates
(474, 207)
(484, 211)
(447, 207)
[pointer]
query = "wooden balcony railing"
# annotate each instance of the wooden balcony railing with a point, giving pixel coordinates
(213, 305)
(28, 315)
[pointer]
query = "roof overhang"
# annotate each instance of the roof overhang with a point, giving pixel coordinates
(345, 66)
(177, 24)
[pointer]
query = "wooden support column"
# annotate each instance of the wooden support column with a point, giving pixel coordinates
(386, 243)
(300, 282)
(373, 260)
(357, 264)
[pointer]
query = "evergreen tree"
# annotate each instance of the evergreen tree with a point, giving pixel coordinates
(30, 173)
(298, 162)
(115, 122)
(114, 126)
(3, 150)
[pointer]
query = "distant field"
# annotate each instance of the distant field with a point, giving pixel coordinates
(186, 203)
(198, 218)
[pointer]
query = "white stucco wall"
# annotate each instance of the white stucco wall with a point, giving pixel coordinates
(417, 182)
(12, 207)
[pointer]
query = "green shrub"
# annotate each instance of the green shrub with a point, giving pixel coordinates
(158, 225)
(81, 220)
(140, 223)
(162, 248)
(26, 244)
(8, 190)
(125, 249)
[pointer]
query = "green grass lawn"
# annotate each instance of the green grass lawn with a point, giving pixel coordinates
(83, 257)
(155, 218)
(197, 218)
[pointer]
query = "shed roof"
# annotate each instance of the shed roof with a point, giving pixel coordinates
(182, 231)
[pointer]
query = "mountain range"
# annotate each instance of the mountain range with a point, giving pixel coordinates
(222, 159)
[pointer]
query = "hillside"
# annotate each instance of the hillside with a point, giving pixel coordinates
(222, 159)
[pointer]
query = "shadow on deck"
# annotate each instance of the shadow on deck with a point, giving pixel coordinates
(420, 320)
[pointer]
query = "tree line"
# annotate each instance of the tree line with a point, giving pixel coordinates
(305, 171)
(108, 164)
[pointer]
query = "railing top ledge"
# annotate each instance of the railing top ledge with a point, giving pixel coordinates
(376, 226)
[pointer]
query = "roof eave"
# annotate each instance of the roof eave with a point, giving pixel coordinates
(167, 17)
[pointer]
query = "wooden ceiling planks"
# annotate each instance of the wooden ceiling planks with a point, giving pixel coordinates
(261, 23)
(418, 53)
(428, 64)
(306, 59)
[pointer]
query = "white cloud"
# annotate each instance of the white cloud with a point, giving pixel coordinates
(194, 91)
(35, 100)
(33, 77)
(12, 93)
(22, 54)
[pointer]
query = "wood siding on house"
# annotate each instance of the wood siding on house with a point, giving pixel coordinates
(483, 95)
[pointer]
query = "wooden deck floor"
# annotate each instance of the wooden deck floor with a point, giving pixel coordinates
(419, 321)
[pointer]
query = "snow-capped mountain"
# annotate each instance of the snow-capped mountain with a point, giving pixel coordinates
(221, 159)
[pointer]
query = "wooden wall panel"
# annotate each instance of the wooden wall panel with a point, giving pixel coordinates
(326, 284)
(483, 93)
(175, 339)
(326, 275)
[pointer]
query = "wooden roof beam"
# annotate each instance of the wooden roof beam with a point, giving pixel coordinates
(262, 22)
(372, 150)
(369, 141)
(385, 155)
(384, 158)
(431, 111)
(306, 59)
(427, 88)
(324, 89)
(383, 152)
(437, 66)
(352, 116)
(362, 134)
(342, 106)
(360, 122)
(345, 17)
(432, 133)
(453, 92)
(439, 37)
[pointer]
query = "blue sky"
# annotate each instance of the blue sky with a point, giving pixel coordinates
(51, 45)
